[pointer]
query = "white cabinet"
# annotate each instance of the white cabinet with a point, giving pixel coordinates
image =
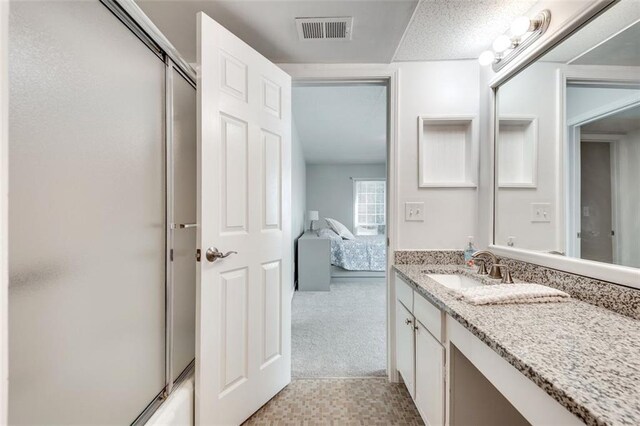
(404, 293)
(420, 356)
(405, 346)
(429, 377)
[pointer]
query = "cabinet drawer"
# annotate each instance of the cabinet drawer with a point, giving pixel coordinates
(404, 293)
(430, 316)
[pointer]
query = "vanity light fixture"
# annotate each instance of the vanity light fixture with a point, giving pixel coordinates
(520, 26)
(501, 44)
(486, 58)
(522, 33)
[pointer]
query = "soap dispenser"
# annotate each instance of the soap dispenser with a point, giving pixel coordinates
(468, 253)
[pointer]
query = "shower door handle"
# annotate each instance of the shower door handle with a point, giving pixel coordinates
(184, 225)
(213, 254)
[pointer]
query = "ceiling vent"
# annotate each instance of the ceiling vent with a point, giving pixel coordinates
(324, 28)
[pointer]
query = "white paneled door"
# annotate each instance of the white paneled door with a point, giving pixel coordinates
(243, 332)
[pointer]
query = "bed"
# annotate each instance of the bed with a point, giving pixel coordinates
(324, 257)
(365, 253)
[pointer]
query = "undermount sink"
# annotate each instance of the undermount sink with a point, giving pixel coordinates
(455, 281)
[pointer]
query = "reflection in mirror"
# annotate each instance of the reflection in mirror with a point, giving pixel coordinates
(568, 145)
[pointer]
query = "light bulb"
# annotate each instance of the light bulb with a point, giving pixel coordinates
(520, 26)
(486, 58)
(501, 43)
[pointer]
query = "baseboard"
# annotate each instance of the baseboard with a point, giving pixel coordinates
(338, 280)
(340, 273)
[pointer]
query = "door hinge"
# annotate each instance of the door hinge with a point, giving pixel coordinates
(578, 235)
(198, 255)
(613, 233)
(171, 255)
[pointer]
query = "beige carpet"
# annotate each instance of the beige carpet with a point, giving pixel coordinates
(365, 401)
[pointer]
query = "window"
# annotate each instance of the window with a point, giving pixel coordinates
(369, 209)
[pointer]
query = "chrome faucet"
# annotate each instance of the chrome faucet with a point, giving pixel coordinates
(495, 270)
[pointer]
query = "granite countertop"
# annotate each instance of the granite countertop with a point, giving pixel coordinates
(585, 357)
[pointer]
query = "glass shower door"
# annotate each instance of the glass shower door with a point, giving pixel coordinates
(183, 262)
(87, 217)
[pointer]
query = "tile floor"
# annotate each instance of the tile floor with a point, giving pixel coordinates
(335, 401)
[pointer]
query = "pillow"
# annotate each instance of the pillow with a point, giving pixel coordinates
(339, 229)
(328, 233)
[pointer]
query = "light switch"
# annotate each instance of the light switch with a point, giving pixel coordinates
(414, 211)
(540, 212)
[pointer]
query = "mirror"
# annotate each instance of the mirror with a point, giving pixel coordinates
(568, 145)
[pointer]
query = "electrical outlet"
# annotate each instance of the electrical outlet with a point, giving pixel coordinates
(414, 212)
(541, 212)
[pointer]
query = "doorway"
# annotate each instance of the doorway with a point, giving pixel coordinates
(339, 315)
(596, 224)
(602, 144)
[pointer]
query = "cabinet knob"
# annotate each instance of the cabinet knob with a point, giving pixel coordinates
(407, 321)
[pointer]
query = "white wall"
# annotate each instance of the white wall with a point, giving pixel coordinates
(330, 189)
(298, 190)
(434, 88)
(298, 184)
(628, 232)
(424, 88)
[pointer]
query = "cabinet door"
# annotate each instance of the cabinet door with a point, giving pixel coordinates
(429, 382)
(405, 346)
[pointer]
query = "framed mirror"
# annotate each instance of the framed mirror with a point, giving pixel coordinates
(567, 152)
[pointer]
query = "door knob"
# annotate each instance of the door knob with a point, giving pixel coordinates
(213, 254)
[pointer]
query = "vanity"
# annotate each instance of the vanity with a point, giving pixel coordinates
(512, 364)
(565, 167)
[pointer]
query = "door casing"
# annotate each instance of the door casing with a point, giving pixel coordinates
(356, 73)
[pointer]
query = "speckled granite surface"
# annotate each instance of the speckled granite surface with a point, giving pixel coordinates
(584, 356)
(430, 257)
(623, 300)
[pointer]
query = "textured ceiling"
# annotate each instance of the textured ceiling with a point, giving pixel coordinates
(624, 122)
(621, 50)
(269, 27)
(341, 123)
(457, 29)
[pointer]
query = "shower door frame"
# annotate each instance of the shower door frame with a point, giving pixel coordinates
(4, 210)
(136, 21)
